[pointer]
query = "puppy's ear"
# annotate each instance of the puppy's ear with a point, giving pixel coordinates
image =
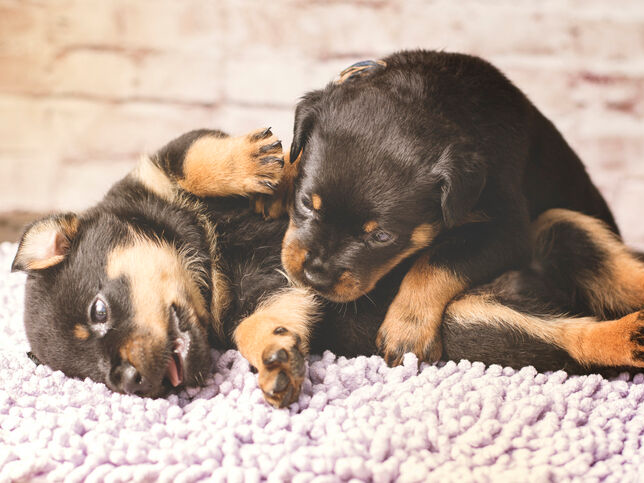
(462, 173)
(305, 114)
(46, 242)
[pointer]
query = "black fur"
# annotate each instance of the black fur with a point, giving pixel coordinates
(433, 137)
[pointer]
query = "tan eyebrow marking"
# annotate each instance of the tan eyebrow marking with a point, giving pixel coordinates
(81, 332)
(316, 201)
(370, 226)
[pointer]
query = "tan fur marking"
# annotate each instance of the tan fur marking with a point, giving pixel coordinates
(81, 332)
(316, 201)
(295, 309)
(158, 277)
(347, 286)
(225, 166)
(414, 317)
(370, 226)
(624, 273)
(133, 351)
(154, 179)
(293, 254)
(586, 339)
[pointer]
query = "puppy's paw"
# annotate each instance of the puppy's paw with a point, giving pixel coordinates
(609, 343)
(403, 331)
(263, 162)
(635, 330)
(282, 371)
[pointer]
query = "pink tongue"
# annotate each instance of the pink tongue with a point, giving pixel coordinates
(173, 373)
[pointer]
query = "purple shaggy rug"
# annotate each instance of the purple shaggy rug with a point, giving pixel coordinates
(356, 420)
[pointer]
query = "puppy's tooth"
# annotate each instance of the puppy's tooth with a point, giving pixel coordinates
(281, 382)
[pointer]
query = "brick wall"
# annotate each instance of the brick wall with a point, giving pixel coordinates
(85, 86)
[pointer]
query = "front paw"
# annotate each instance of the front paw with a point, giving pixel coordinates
(282, 371)
(264, 162)
(403, 331)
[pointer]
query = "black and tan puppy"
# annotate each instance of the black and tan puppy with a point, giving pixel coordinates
(426, 153)
(134, 291)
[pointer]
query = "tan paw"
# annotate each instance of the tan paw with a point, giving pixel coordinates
(262, 162)
(405, 331)
(282, 371)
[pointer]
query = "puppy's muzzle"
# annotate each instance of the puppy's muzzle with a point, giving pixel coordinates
(319, 273)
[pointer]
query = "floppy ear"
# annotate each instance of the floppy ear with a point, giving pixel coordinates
(305, 114)
(462, 172)
(46, 242)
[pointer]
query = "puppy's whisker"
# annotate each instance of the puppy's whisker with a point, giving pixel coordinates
(370, 299)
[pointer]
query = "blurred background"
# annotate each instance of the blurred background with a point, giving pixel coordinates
(86, 86)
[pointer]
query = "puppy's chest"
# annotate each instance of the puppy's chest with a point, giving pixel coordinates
(249, 251)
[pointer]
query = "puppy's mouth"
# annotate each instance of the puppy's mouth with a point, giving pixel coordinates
(178, 367)
(177, 363)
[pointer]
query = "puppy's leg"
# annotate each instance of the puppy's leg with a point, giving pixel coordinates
(275, 340)
(480, 328)
(208, 163)
(464, 256)
(412, 323)
(584, 258)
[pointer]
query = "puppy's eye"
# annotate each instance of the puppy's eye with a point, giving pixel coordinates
(98, 312)
(381, 237)
(307, 203)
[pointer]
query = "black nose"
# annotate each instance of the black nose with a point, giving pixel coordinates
(129, 380)
(319, 274)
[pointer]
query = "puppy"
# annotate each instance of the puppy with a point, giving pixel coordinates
(134, 291)
(430, 154)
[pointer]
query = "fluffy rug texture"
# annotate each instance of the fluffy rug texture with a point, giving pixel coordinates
(356, 419)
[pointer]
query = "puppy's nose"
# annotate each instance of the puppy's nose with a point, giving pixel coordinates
(318, 275)
(129, 380)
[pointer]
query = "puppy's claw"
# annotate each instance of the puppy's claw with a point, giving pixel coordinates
(272, 159)
(277, 145)
(262, 134)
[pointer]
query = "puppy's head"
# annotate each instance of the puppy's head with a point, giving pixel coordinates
(116, 305)
(380, 177)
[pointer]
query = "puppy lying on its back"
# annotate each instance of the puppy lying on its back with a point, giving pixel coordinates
(134, 291)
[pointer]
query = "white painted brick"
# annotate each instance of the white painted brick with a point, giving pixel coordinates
(628, 209)
(157, 25)
(81, 185)
(28, 182)
(237, 120)
(90, 130)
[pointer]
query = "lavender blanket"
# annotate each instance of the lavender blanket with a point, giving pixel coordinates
(356, 419)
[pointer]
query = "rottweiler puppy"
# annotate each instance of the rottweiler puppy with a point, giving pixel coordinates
(134, 291)
(428, 154)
